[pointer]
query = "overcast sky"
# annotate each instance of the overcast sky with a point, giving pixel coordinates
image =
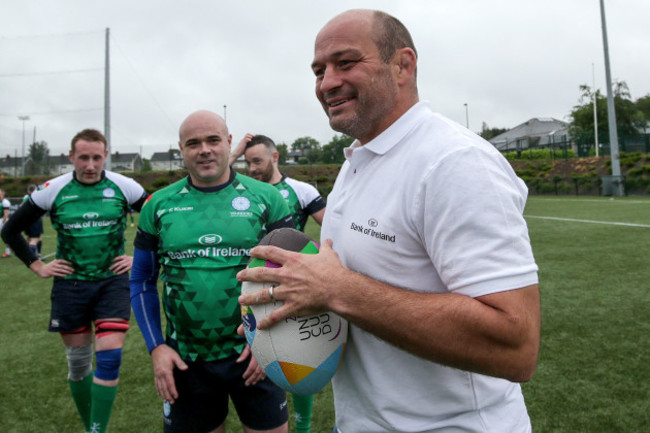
(508, 60)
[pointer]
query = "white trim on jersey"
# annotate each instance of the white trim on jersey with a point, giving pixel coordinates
(306, 192)
(44, 197)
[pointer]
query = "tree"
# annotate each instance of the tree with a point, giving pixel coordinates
(488, 133)
(284, 153)
(304, 146)
(630, 120)
(643, 104)
(38, 159)
(333, 151)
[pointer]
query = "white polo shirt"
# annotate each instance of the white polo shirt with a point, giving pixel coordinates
(428, 206)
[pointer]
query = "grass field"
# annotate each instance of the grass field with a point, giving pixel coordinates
(594, 363)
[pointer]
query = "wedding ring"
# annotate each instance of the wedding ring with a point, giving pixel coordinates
(271, 293)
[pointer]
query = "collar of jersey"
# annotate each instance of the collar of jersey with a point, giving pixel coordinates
(393, 134)
(74, 175)
(213, 188)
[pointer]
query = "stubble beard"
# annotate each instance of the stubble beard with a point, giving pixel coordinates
(369, 110)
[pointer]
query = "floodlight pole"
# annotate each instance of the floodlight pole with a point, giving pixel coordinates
(617, 183)
(23, 118)
(593, 79)
(107, 102)
(466, 116)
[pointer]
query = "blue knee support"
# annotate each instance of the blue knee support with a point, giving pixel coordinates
(108, 364)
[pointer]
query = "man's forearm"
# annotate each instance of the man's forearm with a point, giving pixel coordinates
(496, 335)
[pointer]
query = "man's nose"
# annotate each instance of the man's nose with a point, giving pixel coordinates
(331, 80)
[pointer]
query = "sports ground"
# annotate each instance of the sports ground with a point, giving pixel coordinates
(594, 365)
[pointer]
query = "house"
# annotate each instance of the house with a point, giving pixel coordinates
(10, 166)
(126, 162)
(59, 164)
(536, 133)
(170, 160)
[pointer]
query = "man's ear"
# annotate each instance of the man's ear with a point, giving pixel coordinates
(276, 156)
(405, 62)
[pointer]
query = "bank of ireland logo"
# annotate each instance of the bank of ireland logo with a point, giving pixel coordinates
(373, 222)
(108, 193)
(240, 203)
(284, 193)
(90, 216)
(209, 240)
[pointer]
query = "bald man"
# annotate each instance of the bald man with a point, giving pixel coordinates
(201, 230)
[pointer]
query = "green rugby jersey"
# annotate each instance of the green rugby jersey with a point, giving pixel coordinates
(203, 239)
(89, 220)
(302, 198)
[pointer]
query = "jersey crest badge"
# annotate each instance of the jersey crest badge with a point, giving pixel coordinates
(108, 193)
(240, 203)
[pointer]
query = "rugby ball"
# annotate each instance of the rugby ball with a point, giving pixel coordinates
(300, 354)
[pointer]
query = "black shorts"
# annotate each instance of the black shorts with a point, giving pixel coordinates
(78, 303)
(35, 229)
(203, 391)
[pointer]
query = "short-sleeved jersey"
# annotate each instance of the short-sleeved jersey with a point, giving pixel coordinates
(6, 205)
(303, 199)
(203, 240)
(89, 220)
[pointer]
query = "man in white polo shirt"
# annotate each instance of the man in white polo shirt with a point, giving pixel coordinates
(425, 251)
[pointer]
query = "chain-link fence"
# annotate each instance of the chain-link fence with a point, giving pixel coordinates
(587, 185)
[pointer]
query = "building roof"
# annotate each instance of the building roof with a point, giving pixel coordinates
(124, 157)
(536, 127)
(164, 156)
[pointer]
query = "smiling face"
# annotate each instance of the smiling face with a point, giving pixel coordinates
(357, 90)
(205, 145)
(261, 163)
(88, 158)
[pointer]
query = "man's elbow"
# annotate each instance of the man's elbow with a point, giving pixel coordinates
(525, 363)
(5, 234)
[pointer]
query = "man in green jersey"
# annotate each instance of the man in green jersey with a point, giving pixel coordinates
(303, 199)
(34, 232)
(262, 158)
(201, 229)
(88, 211)
(6, 209)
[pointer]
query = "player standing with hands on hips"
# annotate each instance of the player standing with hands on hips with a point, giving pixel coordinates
(91, 284)
(426, 252)
(6, 210)
(303, 199)
(201, 229)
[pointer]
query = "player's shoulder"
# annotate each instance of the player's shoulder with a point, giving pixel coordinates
(121, 180)
(165, 193)
(299, 184)
(47, 192)
(254, 185)
(53, 186)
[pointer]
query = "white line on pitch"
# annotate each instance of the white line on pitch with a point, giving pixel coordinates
(604, 200)
(612, 223)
